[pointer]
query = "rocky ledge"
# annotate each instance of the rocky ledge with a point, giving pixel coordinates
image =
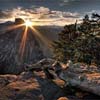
(29, 86)
(35, 85)
(85, 77)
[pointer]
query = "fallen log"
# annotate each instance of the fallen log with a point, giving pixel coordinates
(40, 65)
(86, 78)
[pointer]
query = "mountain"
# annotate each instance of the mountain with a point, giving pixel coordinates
(10, 41)
(13, 55)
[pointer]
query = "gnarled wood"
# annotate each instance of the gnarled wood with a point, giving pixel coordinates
(82, 76)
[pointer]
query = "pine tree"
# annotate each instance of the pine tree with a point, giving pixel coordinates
(79, 44)
(64, 48)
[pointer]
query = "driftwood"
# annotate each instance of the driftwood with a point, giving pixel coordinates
(79, 75)
(85, 77)
(40, 65)
(45, 65)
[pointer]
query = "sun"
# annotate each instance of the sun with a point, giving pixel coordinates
(28, 23)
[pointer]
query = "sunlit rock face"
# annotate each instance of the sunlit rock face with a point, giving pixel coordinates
(12, 55)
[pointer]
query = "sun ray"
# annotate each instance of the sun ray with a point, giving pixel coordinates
(45, 41)
(15, 27)
(35, 32)
(23, 43)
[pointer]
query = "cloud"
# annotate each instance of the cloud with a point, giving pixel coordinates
(65, 2)
(43, 10)
(68, 0)
(41, 15)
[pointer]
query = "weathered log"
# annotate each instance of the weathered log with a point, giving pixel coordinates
(44, 65)
(40, 65)
(85, 77)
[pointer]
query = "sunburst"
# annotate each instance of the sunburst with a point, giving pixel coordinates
(29, 25)
(23, 43)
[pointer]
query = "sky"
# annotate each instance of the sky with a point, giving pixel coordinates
(48, 12)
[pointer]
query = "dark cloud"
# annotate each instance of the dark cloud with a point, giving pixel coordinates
(61, 5)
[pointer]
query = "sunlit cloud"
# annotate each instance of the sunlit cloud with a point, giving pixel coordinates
(41, 16)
